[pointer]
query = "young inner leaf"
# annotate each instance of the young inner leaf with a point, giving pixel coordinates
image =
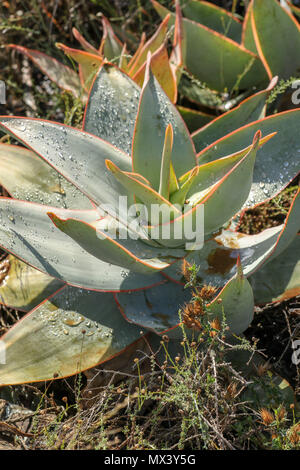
(164, 184)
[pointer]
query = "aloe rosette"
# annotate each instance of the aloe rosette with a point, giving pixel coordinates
(103, 288)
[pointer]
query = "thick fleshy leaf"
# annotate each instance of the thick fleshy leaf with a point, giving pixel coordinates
(154, 43)
(294, 9)
(280, 279)
(277, 163)
(194, 119)
(84, 43)
(220, 202)
(213, 17)
(162, 71)
(178, 54)
(166, 162)
(72, 331)
(112, 107)
(249, 110)
(210, 173)
(220, 62)
(236, 304)
(125, 252)
(156, 112)
(277, 38)
(217, 259)
(248, 39)
(89, 63)
(111, 46)
(26, 176)
(144, 193)
(28, 233)
(78, 156)
(23, 287)
(155, 309)
(59, 73)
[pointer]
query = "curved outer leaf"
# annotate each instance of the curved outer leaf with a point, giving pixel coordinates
(219, 62)
(72, 331)
(128, 253)
(59, 73)
(235, 302)
(154, 115)
(213, 17)
(155, 309)
(89, 63)
(112, 107)
(162, 71)
(249, 110)
(217, 259)
(23, 287)
(277, 38)
(278, 161)
(280, 278)
(26, 176)
(28, 233)
(78, 156)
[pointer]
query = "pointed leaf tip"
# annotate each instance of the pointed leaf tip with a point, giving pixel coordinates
(240, 273)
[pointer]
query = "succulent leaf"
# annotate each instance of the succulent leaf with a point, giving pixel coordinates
(277, 38)
(71, 331)
(151, 46)
(194, 119)
(155, 113)
(28, 233)
(166, 161)
(235, 303)
(143, 192)
(161, 68)
(221, 202)
(23, 287)
(210, 173)
(78, 156)
(59, 73)
(26, 176)
(217, 259)
(89, 63)
(155, 309)
(213, 17)
(112, 107)
(111, 47)
(249, 110)
(84, 43)
(279, 279)
(128, 253)
(219, 62)
(278, 161)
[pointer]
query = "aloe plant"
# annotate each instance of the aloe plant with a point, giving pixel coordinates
(80, 229)
(237, 54)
